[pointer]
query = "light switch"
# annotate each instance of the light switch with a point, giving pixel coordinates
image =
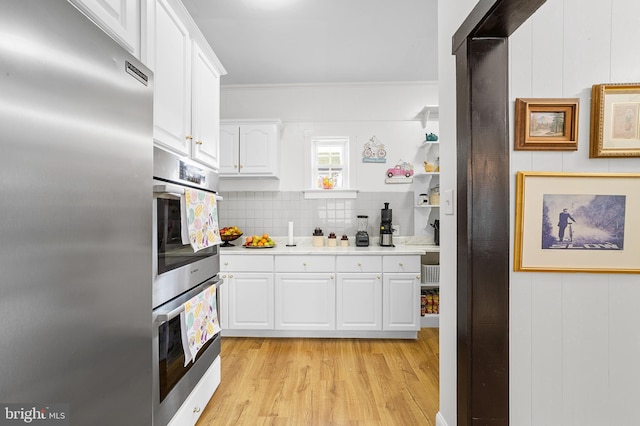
(447, 203)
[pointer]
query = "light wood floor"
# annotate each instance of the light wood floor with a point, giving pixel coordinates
(327, 382)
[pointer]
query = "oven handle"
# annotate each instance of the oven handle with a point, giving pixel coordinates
(168, 316)
(174, 190)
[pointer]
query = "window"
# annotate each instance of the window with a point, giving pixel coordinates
(330, 163)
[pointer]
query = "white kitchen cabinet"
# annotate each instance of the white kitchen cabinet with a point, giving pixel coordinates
(249, 300)
(401, 293)
(249, 149)
(205, 122)
(359, 301)
(172, 72)
(187, 87)
(118, 18)
(359, 293)
(305, 301)
(401, 306)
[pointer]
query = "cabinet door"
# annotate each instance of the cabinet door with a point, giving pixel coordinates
(118, 18)
(359, 301)
(229, 149)
(401, 306)
(305, 301)
(251, 301)
(172, 74)
(258, 149)
(205, 122)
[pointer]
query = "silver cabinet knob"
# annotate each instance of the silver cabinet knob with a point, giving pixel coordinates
(196, 409)
(400, 264)
(378, 276)
(230, 276)
(359, 264)
(304, 263)
(226, 263)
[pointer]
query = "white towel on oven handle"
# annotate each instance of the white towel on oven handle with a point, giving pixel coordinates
(200, 219)
(198, 322)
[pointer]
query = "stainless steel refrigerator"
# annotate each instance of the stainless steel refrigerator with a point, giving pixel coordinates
(75, 218)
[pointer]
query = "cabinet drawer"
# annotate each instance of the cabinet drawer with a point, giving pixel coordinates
(305, 263)
(246, 263)
(401, 264)
(359, 263)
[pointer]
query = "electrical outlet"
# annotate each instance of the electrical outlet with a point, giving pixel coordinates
(395, 230)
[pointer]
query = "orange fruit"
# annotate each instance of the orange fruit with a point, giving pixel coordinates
(265, 236)
(260, 244)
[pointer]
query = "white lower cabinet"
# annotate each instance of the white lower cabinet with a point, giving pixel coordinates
(299, 295)
(247, 302)
(251, 301)
(401, 306)
(359, 301)
(401, 293)
(305, 301)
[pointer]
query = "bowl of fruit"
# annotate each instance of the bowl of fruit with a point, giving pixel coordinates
(259, 242)
(229, 234)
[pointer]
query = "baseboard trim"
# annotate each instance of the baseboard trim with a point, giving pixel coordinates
(440, 421)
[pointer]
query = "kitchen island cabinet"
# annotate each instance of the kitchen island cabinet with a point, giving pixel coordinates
(325, 292)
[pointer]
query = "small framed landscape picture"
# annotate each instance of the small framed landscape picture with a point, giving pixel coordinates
(577, 222)
(615, 120)
(544, 124)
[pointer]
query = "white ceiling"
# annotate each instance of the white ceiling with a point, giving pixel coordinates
(320, 41)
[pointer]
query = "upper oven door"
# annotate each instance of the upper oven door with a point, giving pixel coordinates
(176, 267)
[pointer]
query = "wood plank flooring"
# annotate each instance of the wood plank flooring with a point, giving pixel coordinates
(327, 382)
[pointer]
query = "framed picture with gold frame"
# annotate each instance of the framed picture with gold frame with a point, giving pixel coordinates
(615, 120)
(577, 222)
(546, 124)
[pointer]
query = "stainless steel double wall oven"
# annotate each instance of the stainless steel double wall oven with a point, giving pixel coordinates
(178, 275)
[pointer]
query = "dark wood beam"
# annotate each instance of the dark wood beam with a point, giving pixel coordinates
(483, 176)
(495, 18)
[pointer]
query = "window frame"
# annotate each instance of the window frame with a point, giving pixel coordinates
(341, 141)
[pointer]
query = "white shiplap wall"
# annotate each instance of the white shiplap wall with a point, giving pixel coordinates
(575, 340)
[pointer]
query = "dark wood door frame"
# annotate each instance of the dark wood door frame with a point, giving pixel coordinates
(483, 176)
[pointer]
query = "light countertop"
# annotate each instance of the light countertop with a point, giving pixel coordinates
(403, 246)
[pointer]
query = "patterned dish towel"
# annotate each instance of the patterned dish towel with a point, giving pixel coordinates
(198, 322)
(201, 214)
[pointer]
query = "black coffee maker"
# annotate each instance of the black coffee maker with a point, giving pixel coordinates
(386, 233)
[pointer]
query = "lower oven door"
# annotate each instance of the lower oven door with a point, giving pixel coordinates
(172, 381)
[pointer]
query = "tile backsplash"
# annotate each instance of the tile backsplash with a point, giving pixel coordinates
(270, 212)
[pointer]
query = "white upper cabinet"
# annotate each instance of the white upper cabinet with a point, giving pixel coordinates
(206, 110)
(250, 148)
(187, 86)
(118, 18)
(172, 95)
